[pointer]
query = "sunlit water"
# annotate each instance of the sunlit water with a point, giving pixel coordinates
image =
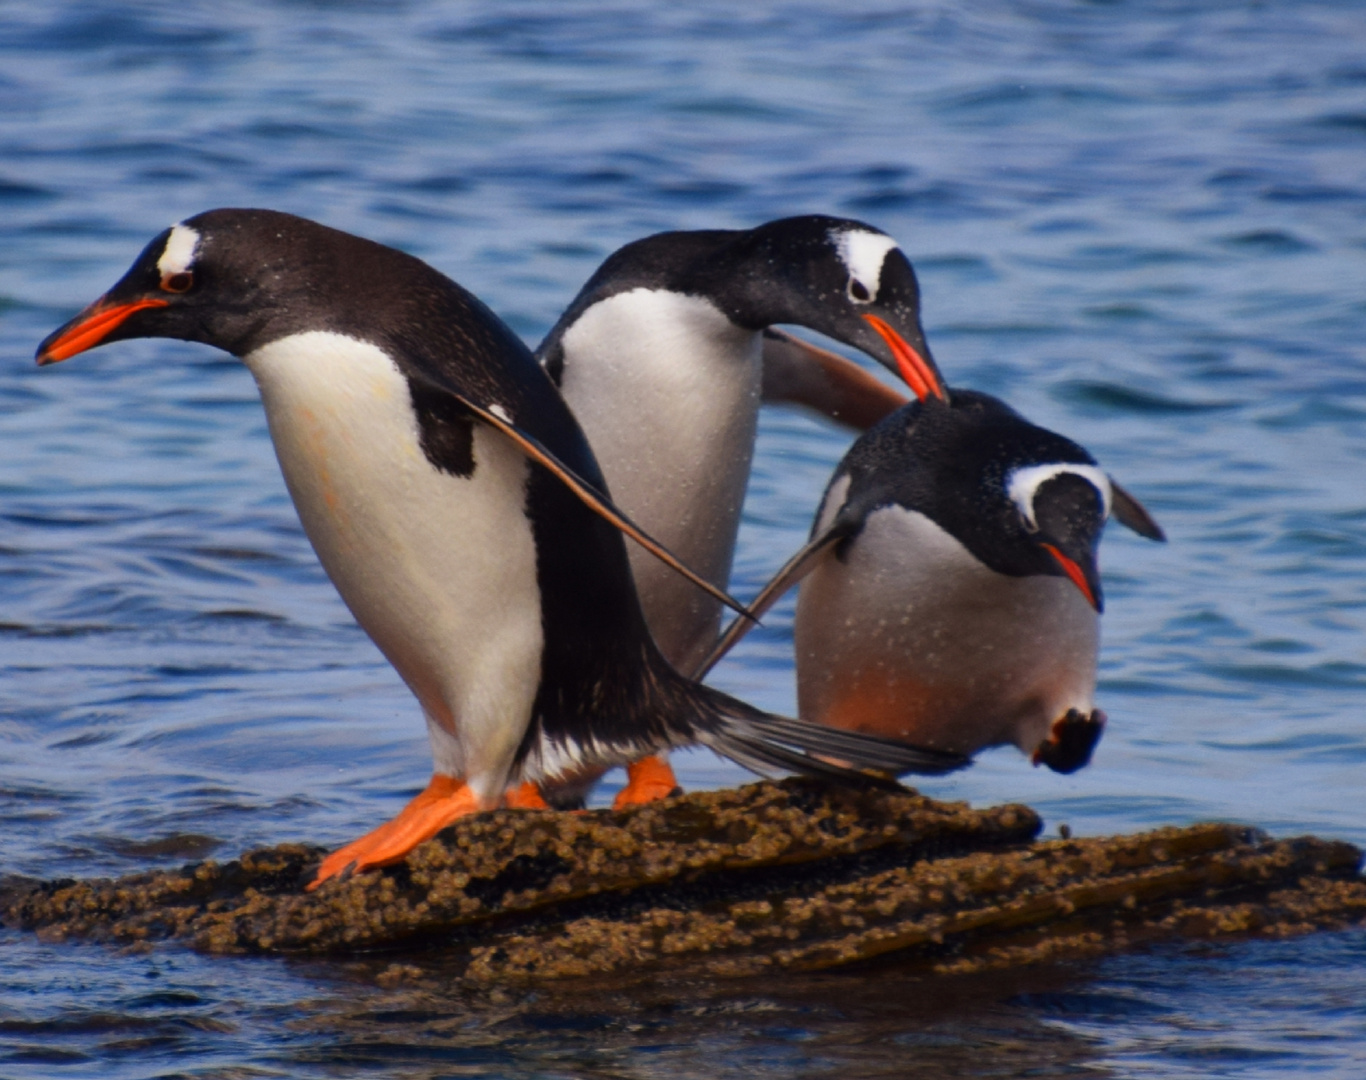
(1142, 224)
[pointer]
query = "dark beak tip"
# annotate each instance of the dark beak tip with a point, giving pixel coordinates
(43, 356)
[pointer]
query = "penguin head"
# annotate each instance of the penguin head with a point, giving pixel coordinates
(1021, 499)
(159, 296)
(1061, 509)
(237, 279)
(840, 277)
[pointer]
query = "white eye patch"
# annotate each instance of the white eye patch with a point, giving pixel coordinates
(863, 254)
(178, 255)
(1024, 483)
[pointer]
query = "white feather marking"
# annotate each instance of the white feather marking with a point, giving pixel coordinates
(439, 570)
(863, 253)
(552, 760)
(548, 760)
(1022, 484)
(501, 413)
(178, 254)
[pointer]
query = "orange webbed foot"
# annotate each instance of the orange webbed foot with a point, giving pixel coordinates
(525, 796)
(444, 800)
(647, 780)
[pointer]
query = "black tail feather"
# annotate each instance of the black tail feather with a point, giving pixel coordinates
(762, 742)
(860, 750)
(759, 755)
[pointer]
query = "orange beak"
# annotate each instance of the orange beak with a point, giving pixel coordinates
(919, 376)
(1075, 574)
(89, 328)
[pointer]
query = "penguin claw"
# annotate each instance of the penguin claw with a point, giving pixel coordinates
(1071, 742)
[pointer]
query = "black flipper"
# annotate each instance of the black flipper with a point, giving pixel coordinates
(792, 572)
(799, 373)
(1130, 512)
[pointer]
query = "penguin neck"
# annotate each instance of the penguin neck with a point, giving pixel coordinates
(667, 388)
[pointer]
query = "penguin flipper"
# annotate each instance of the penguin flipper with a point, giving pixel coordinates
(1130, 512)
(792, 572)
(799, 373)
(596, 500)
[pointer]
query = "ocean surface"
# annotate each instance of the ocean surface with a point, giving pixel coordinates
(1144, 224)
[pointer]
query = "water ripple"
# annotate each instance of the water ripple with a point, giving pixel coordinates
(1141, 224)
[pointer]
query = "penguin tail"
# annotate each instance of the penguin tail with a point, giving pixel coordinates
(763, 743)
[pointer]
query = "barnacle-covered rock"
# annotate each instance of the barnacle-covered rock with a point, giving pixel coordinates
(774, 876)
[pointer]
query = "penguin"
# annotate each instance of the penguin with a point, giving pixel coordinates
(456, 506)
(950, 593)
(664, 357)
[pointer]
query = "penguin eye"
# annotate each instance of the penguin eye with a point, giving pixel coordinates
(858, 292)
(178, 282)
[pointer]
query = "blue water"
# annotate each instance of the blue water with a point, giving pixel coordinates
(1142, 223)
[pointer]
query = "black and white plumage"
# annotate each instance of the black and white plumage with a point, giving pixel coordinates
(450, 496)
(950, 594)
(663, 359)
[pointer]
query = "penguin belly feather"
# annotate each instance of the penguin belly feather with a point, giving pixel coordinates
(439, 569)
(667, 390)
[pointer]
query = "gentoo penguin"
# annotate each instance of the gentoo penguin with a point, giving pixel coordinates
(454, 503)
(662, 356)
(950, 594)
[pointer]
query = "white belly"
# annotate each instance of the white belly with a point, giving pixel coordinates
(667, 390)
(913, 638)
(439, 570)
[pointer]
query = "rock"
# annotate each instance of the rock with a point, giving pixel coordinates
(773, 876)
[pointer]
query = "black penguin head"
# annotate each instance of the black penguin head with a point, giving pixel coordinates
(237, 279)
(840, 277)
(153, 299)
(1021, 499)
(1062, 507)
(204, 279)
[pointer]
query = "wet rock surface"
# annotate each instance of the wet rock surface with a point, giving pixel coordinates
(789, 876)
